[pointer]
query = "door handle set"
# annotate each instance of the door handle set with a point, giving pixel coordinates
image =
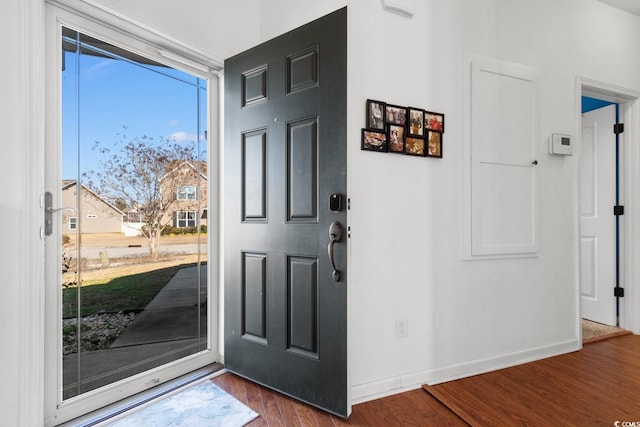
(49, 210)
(335, 236)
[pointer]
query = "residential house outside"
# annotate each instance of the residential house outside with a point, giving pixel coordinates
(96, 214)
(188, 183)
(184, 181)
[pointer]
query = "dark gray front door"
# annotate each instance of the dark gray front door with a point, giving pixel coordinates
(285, 156)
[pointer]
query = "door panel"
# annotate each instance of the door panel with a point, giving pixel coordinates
(254, 176)
(302, 171)
(597, 223)
(285, 154)
(503, 160)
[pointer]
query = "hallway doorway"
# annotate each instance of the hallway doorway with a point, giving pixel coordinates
(599, 227)
(619, 194)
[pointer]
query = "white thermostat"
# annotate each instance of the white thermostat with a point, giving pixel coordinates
(560, 145)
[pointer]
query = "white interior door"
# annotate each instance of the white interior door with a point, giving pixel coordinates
(597, 222)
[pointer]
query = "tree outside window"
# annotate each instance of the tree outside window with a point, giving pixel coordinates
(144, 174)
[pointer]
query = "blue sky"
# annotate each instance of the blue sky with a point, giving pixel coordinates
(113, 94)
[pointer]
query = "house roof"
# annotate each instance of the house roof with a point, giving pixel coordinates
(180, 164)
(68, 183)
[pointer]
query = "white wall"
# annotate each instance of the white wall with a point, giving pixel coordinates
(406, 247)
(407, 213)
(279, 16)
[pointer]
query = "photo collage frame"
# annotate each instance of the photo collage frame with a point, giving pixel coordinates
(403, 130)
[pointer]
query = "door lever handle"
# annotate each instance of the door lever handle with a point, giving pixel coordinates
(49, 210)
(335, 236)
(64, 208)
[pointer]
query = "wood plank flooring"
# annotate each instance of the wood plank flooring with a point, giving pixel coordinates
(593, 387)
(413, 408)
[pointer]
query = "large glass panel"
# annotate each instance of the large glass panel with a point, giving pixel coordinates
(134, 228)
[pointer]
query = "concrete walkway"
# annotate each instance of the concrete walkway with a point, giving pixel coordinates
(167, 329)
(172, 314)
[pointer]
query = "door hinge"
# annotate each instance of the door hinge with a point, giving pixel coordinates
(618, 292)
(618, 128)
(618, 210)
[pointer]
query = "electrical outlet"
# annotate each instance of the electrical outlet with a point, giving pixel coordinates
(402, 327)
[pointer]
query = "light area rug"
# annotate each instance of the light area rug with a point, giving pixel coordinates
(204, 404)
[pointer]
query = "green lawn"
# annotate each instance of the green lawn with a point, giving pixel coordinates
(126, 293)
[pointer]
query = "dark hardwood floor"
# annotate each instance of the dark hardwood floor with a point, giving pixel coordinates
(593, 387)
(413, 408)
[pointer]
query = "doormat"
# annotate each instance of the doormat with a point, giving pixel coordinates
(205, 404)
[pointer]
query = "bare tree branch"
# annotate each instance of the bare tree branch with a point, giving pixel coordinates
(144, 175)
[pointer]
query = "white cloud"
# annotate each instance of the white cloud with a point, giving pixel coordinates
(174, 122)
(181, 136)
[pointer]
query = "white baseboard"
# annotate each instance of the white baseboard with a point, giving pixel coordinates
(388, 386)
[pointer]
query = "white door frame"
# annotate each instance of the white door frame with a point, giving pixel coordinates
(136, 38)
(629, 195)
(30, 36)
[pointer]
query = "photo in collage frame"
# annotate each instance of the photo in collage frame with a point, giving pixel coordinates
(402, 130)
